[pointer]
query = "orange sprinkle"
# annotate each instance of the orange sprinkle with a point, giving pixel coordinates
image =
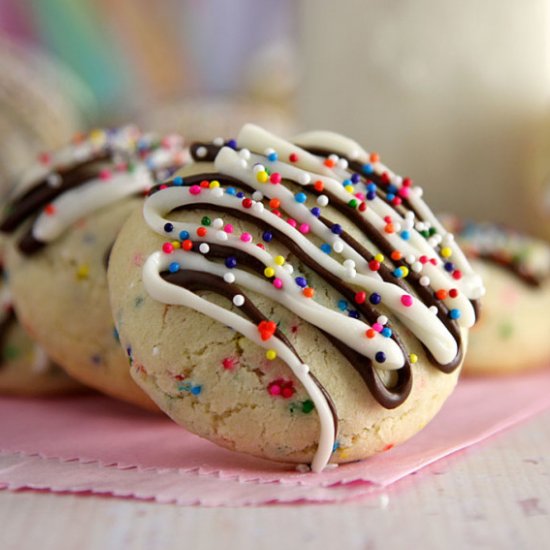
(374, 157)
(319, 185)
(370, 333)
(441, 294)
(187, 245)
(308, 292)
(396, 255)
(274, 203)
(390, 228)
(329, 163)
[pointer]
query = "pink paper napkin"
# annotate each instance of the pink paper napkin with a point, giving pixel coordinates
(108, 438)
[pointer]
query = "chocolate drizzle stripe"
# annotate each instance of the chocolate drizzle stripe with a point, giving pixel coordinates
(195, 281)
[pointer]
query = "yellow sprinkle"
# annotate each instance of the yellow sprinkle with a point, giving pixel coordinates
(413, 358)
(269, 272)
(446, 252)
(379, 258)
(262, 177)
(343, 452)
(404, 270)
(279, 260)
(271, 354)
(214, 183)
(83, 271)
(97, 135)
(349, 188)
(176, 244)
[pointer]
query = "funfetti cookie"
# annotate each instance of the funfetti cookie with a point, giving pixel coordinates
(289, 304)
(513, 332)
(62, 220)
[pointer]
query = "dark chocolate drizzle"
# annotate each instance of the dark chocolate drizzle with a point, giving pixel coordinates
(514, 267)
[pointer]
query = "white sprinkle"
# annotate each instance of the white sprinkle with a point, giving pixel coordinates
(334, 158)
(221, 236)
(410, 259)
(204, 248)
(201, 152)
(238, 300)
(343, 164)
(258, 168)
(419, 191)
(155, 351)
(217, 223)
(257, 195)
(338, 246)
(305, 178)
(303, 369)
(217, 192)
(424, 280)
(322, 200)
(416, 267)
(289, 268)
(398, 180)
(397, 227)
(244, 153)
(349, 263)
(258, 207)
(420, 226)
(432, 241)
(351, 273)
(433, 309)
(229, 277)
(331, 466)
(218, 142)
(382, 319)
(303, 468)
(54, 180)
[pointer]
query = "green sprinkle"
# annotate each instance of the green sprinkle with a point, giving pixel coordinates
(206, 221)
(307, 406)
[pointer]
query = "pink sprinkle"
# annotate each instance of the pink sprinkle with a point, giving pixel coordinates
(304, 228)
(360, 196)
(407, 300)
(168, 248)
(274, 389)
(433, 261)
(404, 192)
(195, 189)
(377, 327)
(275, 177)
(228, 228)
(105, 174)
(246, 237)
(292, 222)
(277, 283)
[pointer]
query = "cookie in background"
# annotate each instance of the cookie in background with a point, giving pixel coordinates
(513, 331)
(61, 221)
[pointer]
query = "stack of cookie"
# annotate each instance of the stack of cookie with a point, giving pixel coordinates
(294, 300)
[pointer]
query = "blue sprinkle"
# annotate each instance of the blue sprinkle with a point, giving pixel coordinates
(231, 191)
(454, 314)
(231, 262)
(355, 178)
(371, 195)
(232, 143)
(326, 248)
(405, 235)
(272, 157)
(386, 332)
(336, 446)
(392, 188)
(301, 282)
(300, 197)
(184, 235)
(380, 357)
(240, 195)
(196, 390)
(398, 272)
(372, 187)
(449, 266)
(336, 229)
(367, 169)
(353, 313)
(116, 336)
(375, 298)
(129, 351)
(177, 181)
(267, 236)
(347, 182)
(174, 267)
(390, 196)
(168, 227)
(316, 211)
(342, 305)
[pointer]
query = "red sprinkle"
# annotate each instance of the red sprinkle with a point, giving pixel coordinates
(360, 297)
(293, 157)
(202, 231)
(318, 185)
(247, 203)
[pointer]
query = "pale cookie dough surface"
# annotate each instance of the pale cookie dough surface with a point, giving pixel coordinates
(513, 331)
(61, 297)
(215, 382)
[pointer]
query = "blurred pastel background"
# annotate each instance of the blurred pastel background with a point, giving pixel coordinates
(453, 94)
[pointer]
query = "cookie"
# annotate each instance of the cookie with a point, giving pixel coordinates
(24, 366)
(512, 333)
(63, 219)
(288, 305)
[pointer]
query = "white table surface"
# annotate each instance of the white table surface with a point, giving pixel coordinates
(493, 495)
